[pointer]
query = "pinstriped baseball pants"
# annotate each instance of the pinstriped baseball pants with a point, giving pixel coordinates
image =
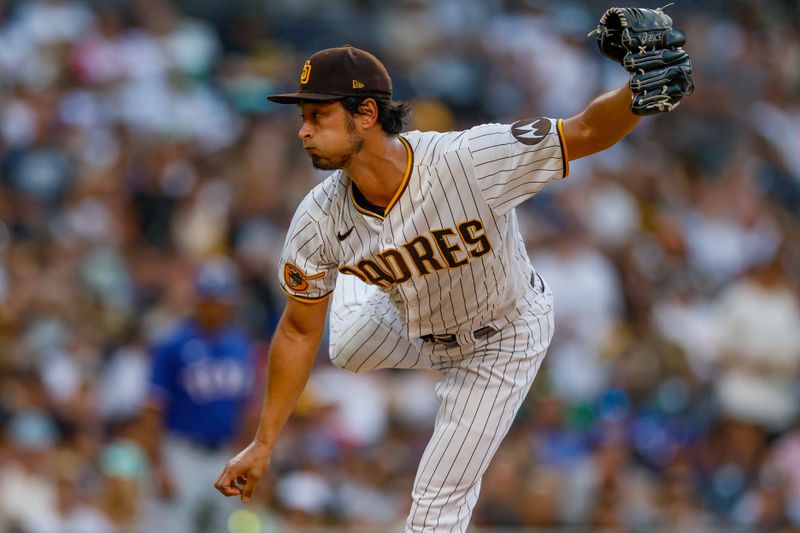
(482, 387)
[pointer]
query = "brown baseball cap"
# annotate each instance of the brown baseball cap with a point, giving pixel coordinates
(336, 73)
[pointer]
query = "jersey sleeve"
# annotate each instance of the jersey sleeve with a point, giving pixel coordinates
(512, 162)
(307, 272)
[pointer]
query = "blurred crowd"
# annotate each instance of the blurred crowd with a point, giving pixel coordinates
(136, 146)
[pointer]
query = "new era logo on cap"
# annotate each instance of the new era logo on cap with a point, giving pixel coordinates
(338, 73)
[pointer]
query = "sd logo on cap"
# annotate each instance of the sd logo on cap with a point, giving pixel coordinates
(339, 73)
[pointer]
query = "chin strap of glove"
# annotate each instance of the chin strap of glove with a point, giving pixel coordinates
(646, 44)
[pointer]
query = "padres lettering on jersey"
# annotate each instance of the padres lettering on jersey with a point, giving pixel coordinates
(447, 249)
(392, 267)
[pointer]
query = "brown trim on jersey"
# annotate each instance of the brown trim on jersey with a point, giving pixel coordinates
(305, 299)
(364, 206)
(406, 176)
(564, 148)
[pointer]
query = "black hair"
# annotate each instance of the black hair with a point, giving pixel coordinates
(392, 114)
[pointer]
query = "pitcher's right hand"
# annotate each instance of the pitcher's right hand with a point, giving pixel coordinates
(241, 474)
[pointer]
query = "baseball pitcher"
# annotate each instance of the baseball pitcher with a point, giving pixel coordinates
(414, 239)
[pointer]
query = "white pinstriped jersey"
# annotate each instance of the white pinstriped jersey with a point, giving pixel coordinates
(446, 250)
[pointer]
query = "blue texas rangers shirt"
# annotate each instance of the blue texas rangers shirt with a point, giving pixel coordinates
(203, 382)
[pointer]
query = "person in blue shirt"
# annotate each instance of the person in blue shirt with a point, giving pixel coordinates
(201, 384)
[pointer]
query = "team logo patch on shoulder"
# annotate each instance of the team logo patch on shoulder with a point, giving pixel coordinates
(296, 279)
(531, 131)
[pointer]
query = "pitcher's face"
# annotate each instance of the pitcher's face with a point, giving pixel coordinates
(329, 134)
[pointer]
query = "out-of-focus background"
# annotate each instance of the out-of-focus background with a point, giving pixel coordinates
(137, 148)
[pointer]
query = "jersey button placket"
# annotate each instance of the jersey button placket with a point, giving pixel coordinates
(386, 236)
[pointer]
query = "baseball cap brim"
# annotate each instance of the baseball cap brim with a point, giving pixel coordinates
(294, 98)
